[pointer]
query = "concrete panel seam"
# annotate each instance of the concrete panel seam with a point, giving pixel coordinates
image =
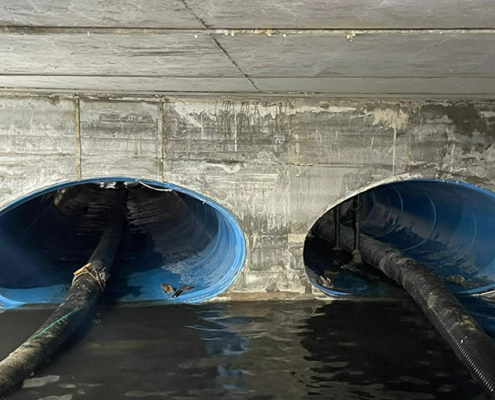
(77, 126)
(160, 146)
(229, 31)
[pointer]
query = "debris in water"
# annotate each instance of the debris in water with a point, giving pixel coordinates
(459, 279)
(181, 290)
(326, 282)
(168, 288)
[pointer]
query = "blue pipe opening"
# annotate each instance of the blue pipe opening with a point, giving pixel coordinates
(173, 237)
(447, 226)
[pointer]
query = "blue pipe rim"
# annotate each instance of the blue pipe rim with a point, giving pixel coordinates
(192, 298)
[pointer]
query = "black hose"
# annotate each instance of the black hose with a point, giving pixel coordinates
(454, 323)
(85, 290)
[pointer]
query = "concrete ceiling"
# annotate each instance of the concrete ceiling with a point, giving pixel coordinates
(351, 47)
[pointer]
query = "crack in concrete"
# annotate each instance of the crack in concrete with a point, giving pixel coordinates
(219, 46)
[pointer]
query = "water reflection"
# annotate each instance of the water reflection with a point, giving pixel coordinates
(381, 351)
(265, 350)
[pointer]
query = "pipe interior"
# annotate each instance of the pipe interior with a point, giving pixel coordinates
(449, 227)
(170, 238)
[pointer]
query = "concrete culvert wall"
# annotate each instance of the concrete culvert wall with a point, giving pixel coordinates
(446, 226)
(172, 237)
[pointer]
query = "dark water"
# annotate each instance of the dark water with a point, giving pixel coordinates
(254, 350)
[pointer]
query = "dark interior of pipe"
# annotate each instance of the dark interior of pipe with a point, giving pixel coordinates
(171, 239)
(446, 226)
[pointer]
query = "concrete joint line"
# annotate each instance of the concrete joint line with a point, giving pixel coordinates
(160, 147)
(77, 117)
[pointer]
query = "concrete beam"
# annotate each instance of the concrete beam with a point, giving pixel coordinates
(129, 84)
(79, 53)
(426, 87)
(373, 54)
(445, 88)
(341, 63)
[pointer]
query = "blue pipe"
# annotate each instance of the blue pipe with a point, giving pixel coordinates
(202, 246)
(447, 226)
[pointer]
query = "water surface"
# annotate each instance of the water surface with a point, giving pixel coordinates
(253, 350)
